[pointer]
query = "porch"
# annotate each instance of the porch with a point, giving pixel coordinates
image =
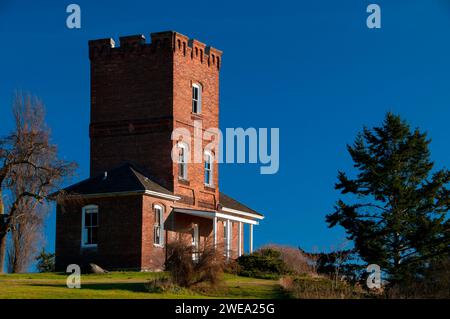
(227, 216)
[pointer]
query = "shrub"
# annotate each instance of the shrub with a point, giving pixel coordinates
(295, 260)
(320, 288)
(186, 272)
(265, 263)
(161, 285)
(433, 282)
(45, 261)
(231, 266)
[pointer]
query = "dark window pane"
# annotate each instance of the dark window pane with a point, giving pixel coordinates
(181, 170)
(157, 216)
(157, 235)
(89, 236)
(87, 220)
(195, 93)
(94, 235)
(94, 221)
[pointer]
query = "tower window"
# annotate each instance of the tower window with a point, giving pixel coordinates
(196, 98)
(89, 234)
(158, 225)
(208, 168)
(182, 161)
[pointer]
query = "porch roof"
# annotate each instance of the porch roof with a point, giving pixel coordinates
(213, 214)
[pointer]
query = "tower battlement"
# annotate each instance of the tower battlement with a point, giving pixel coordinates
(160, 41)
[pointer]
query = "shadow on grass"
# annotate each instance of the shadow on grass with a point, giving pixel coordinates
(132, 287)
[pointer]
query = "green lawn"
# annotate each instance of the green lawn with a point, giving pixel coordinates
(127, 285)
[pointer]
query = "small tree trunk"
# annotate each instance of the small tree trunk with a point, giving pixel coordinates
(3, 232)
(2, 250)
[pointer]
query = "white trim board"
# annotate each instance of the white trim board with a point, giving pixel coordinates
(239, 212)
(211, 215)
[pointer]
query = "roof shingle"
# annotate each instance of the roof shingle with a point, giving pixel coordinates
(124, 178)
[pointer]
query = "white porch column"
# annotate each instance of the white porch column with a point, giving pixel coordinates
(240, 239)
(215, 231)
(251, 238)
(228, 238)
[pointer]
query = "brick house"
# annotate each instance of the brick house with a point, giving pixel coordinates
(137, 198)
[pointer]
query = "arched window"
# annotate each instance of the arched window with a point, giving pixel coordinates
(196, 98)
(182, 161)
(158, 227)
(89, 228)
(208, 168)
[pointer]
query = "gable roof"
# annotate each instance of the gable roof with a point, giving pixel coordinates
(228, 202)
(124, 178)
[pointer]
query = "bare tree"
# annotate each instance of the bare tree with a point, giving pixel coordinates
(26, 236)
(30, 171)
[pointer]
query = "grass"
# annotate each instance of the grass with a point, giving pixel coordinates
(128, 285)
(306, 287)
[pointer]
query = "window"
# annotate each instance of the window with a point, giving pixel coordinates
(89, 232)
(196, 98)
(195, 242)
(158, 226)
(225, 238)
(208, 168)
(230, 245)
(182, 161)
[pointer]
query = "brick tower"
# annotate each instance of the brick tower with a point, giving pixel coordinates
(140, 93)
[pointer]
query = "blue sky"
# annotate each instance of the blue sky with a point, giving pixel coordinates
(311, 68)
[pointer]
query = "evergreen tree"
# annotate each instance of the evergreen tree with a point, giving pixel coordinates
(398, 218)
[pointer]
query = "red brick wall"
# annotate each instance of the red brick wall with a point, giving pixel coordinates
(131, 106)
(119, 235)
(192, 65)
(126, 233)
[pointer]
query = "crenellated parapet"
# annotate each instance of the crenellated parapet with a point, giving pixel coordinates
(167, 41)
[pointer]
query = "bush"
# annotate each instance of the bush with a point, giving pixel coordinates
(186, 272)
(433, 282)
(45, 262)
(231, 267)
(295, 260)
(265, 263)
(161, 285)
(320, 288)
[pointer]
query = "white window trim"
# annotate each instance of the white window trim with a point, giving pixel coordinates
(210, 183)
(199, 100)
(161, 226)
(184, 175)
(83, 221)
